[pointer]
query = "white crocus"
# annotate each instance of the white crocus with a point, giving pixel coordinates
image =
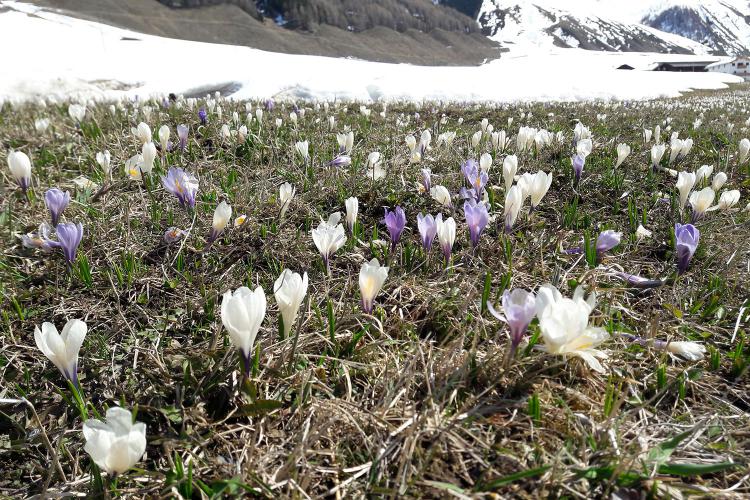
(411, 143)
(149, 155)
(513, 202)
(675, 149)
(374, 166)
(116, 444)
(62, 348)
(642, 232)
(20, 168)
(510, 167)
(485, 162)
(703, 173)
(584, 147)
(328, 238)
(164, 138)
(133, 167)
(728, 199)
(104, 159)
(143, 133)
(623, 151)
(692, 351)
(540, 184)
(446, 234)
(222, 215)
(657, 153)
(685, 183)
(565, 328)
(476, 138)
(371, 278)
(77, 112)
(41, 125)
(289, 289)
(352, 209)
(744, 150)
(441, 195)
(647, 135)
(242, 313)
(286, 193)
(719, 180)
(303, 149)
(701, 200)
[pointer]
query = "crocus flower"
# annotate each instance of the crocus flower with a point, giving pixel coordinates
(727, 200)
(700, 201)
(513, 202)
(607, 240)
(222, 214)
(303, 149)
(478, 179)
(426, 185)
(469, 169)
(117, 444)
(41, 125)
(352, 209)
(477, 218)
(340, 161)
(685, 183)
(69, 236)
(485, 162)
(538, 187)
(371, 278)
(638, 281)
(692, 351)
(270, 104)
(289, 289)
(39, 238)
(395, 222)
(104, 159)
(441, 195)
(173, 235)
(164, 134)
(446, 235)
(286, 194)
(182, 135)
(564, 324)
(519, 307)
(744, 150)
(181, 184)
(623, 150)
(143, 133)
(242, 313)
(719, 180)
(20, 168)
(703, 173)
(328, 238)
(62, 349)
(657, 153)
(510, 167)
(148, 151)
(77, 112)
(687, 237)
(578, 164)
(56, 202)
(203, 116)
(427, 230)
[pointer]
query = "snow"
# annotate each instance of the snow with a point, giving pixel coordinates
(68, 58)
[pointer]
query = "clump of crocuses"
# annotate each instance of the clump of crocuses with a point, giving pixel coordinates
(181, 184)
(686, 238)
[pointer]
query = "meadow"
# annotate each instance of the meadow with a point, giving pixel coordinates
(324, 299)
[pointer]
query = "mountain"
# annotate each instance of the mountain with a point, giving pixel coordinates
(397, 31)
(719, 27)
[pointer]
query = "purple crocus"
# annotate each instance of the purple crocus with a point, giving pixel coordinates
(69, 236)
(182, 134)
(56, 202)
(578, 163)
(686, 237)
(341, 161)
(638, 281)
(203, 116)
(270, 104)
(181, 184)
(426, 180)
(468, 168)
(520, 308)
(607, 240)
(427, 230)
(477, 219)
(173, 235)
(395, 222)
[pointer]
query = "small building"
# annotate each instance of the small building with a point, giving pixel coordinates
(691, 66)
(625, 66)
(739, 66)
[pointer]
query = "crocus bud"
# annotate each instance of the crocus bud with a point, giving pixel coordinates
(222, 214)
(69, 236)
(485, 162)
(62, 349)
(117, 444)
(395, 222)
(289, 289)
(352, 208)
(700, 201)
(692, 351)
(56, 202)
(607, 240)
(513, 202)
(441, 195)
(41, 125)
(371, 278)
(446, 234)
(20, 168)
(510, 167)
(578, 163)
(623, 150)
(242, 313)
(427, 230)
(728, 199)
(744, 150)
(104, 160)
(303, 149)
(477, 219)
(476, 139)
(286, 193)
(77, 112)
(539, 186)
(703, 173)
(411, 143)
(687, 238)
(719, 180)
(164, 138)
(182, 135)
(685, 183)
(519, 307)
(149, 155)
(143, 133)
(657, 153)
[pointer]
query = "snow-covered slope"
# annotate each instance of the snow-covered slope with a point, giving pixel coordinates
(56, 55)
(669, 26)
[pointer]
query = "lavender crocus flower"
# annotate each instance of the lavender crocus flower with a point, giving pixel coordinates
(607, 240)
(426, 180)
(173, 235)
(395, 222)
(56, 202)
(520, 308)
(578, 163)
(686, 238)
(638, 281)
(270, 104)
(203, 116)
(468, 168)
(181, 184)
(340, 161)
(477, 218)
(69, 236)
(182, 135)
(427, 230)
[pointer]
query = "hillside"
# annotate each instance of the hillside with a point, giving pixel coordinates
(433, 35)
